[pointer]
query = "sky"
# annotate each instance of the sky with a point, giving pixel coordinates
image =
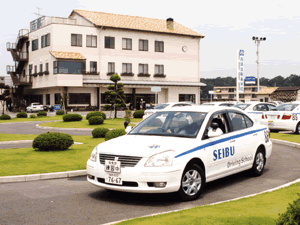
(227, 26)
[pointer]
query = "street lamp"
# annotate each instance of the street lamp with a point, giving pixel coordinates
(257, 42)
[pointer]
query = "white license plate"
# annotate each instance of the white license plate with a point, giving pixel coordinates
(113, 178)
(270, 123)
(112, 166)
(272, 117)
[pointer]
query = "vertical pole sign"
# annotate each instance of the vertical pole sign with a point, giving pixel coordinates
(240, 74)
(156, 89)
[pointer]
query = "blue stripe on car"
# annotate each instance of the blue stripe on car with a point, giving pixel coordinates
(255, 112)
(218, 142)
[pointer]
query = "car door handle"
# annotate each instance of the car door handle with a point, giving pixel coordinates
(232, 141)
(255, 134)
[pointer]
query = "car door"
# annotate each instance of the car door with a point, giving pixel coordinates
(258, 111)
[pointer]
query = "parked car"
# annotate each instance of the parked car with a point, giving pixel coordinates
(276, 103)
(34, 107)
(219, 104)
(194, 145)
(284, 117)
(167, 105)
(255, 110)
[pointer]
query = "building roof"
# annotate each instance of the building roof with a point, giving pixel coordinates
(287, 89)
(267, 90)
(134, 23)
(67, 55)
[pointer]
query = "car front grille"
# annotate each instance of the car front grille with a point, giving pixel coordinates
(126, 161)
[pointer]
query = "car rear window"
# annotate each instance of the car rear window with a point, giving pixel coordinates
(162, 106)
(242, 106)
(285, 107)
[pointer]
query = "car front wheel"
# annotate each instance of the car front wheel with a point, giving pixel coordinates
(297, 131)
(192, 182)
(259, 163)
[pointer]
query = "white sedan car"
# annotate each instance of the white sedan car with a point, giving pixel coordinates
(284, 117)
(35, 107)
(164, 106)
(179, 156)
(219, 104)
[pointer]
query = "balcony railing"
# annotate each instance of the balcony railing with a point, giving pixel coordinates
(11, 46)
(10, 69)
(23, 33)
(22, 56)
(46, 20)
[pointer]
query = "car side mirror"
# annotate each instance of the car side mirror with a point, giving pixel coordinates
(128, 129)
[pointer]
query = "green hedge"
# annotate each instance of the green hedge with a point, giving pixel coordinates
(60, 112)
(32, 116)
(22, 115)
(95, 120)
(138, 114)
(292, 214)
(5, 117)
(96, 113)
(72, 117)
(99, 132)
(42, 113)
(114, 133)
(52, 141)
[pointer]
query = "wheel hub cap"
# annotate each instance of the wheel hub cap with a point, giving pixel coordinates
(260, 161)
(191, 182)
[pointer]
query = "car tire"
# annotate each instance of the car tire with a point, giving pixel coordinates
(297, 131)
(274, 131)
(259, 163)
(192, 182)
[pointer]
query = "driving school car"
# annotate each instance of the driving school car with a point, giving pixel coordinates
(284, 117)
(191, 146)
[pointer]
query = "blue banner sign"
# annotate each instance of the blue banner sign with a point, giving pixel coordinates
(250, 80)
(56, 107)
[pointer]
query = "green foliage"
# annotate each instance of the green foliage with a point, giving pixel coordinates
(123, 104)
(96, 113)
(113, 102)
(60, 112)
(113, 93)
(5, 117)
(120, 85)
(111, 87)
(72, 117)
(99, 132)
(107, 92)
(118, 100)
(128, 113)
(292, 214)
(22, 115)
(32, 116)
(115, 77)
(138, 114)
(118, 105)
(106, 107)
(52, 141)
(95, 120)
(42, 113)
(121, 91)
(127, 118)
(114, 133)
(124, 96)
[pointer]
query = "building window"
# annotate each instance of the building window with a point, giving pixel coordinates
(57, 98)
(187, 98)
(111, 68)
(126, 44)
(231, 96)
(41, 68)
(231, 89)
(76, 40)
(45, 40)
(126, 67)
(143, 68)
(109, 42)
(93, 66)
(159, 46)
(80, 98)
(241, 96)
(159, 69)
(35, 69)
(266, 99)
(47, 99)
(254, 96)
(68, 67)
(254, 89)
(91, 41)
(47, 67)
(219, 96)
(35, 44)
(30, 69)
(143, 45)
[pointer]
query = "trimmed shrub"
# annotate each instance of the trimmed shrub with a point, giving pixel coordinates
(94, 120)
(138, 114)
(72, 117)
(292, 214)
(96, 113)
(5, 117)
(42, 113)
(115, 77)
(99, 132)
(127, 119)
(111, 87)
(32, 116)
(52, 141)
(128, 113)
(119, 85)
(60, 112)
(114, 133)
(22, 115)
(106, 107)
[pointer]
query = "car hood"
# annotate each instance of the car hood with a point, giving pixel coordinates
(145, 146)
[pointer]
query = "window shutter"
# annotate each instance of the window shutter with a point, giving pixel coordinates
(146, 68)
(113, 67)
(146, 45)
(112, 42)
(129, 67)
(129, 44)
(141, 68)
(156, 46)
(48, 40)
(123, 43)
(94, 41)
(73, 39)
(156, 69)
(88, 40)
(124, 67)
(79, 39)
(141, 45)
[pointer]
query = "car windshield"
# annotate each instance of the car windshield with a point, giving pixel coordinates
(175, 124)
(162, 106)
(285, 107)
(242, 106)
(208, 104)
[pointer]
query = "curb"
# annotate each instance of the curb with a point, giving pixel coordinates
(27, 141)
(288, 143)
(46, 121)
(57, 128)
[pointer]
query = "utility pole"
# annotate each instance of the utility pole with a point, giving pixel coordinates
(257, 43)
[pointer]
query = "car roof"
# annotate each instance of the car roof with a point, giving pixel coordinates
(199, 108)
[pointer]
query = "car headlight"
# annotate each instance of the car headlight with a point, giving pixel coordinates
(94, 154)
(161, 159)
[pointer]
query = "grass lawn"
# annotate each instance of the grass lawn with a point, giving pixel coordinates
(37, 118)
(286, 137)
(24, 161)
(260, 209)
(108, 123)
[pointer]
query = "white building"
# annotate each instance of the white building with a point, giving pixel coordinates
(77, 55)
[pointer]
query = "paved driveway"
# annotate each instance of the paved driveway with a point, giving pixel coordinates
(75, 201)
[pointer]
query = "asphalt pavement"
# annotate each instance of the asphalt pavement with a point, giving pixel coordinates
(75, 201)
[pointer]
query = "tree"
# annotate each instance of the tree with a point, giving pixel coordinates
(4, 95)
(115, 94)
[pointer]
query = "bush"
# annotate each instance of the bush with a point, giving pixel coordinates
(106, 107)
(99, 132)
(52, 141)
(114, 133)
(5, 117)
(96, 113)
(60, 112)
(22, 115)
(127, 119)
(292, 214)
(32, 116)
(72, 117)
(119, 85)
(128, 113)
(115, 77)
(94, 120)
(138, 114)
(42, 113)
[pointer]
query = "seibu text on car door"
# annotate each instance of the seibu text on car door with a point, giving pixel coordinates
(190, 146)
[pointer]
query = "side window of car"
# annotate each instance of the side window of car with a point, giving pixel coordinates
(260, 107)
(238, 121)
(271, 107)
(176, 105)
(221, 120)
(248, 121)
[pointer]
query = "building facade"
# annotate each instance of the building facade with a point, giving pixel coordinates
(77, 55)
(286, 94)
